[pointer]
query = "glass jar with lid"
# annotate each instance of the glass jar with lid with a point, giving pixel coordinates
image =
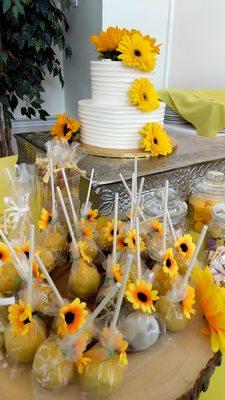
(153, 210)
(216, 231)
(207, 191)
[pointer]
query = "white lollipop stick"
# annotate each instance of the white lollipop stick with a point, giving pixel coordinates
(50, 281)
(95, 313)
(138, 249)
(115, 228)
(135, 174)
(74, 242)
(132, 202)
(7, 301)
(130, 194)
(52, 188)
(17, 263)
(89, 192)
(171, 226)
(30, 264)
(75, 220)
(195, 255)
(139, 197)
(165, 215)
(122, 290)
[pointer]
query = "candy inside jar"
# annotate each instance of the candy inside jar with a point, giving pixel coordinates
(216, 232)
(207, 191)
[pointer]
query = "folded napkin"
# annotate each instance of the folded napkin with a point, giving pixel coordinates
(205, 109)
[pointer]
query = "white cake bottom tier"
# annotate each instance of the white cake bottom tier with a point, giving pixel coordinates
(114, 127)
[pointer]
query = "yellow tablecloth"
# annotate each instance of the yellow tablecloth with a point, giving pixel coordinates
(216, 387)
(205, 109)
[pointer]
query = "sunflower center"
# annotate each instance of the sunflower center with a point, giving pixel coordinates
(65, 130)
(112, 232)
(26, 321)
(69, 317)
(145, 97)
(142, 297)
(26, 254)
(184, 247)
(1, 255)
(168, 263)
(155, 141)
(133, 240)
(137, 53)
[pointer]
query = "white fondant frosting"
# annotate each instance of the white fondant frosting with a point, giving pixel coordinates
(108, 120)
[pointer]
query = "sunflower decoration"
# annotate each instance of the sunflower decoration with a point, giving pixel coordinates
(107, 42)
(141, 295)
(156, 227)
(25, 248)
(117, 273)
(155, 139)
(91, 215)
(82, 363)
(101, 222)
(118, 346)
(143, 95)
(188, 302)
(72, 317)
(45, 219)
(83, 247)
(185, 246)
(211, 298)
(121, 244)
(87, 230)
(136, 51)
(108, 230)
(4, 254)
(65, 127)
(170, 266)
(20, 318)
(131, 240)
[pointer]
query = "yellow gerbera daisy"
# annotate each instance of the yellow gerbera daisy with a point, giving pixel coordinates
(156, 140)
(108, 230)
(141, 295)
(131, 240)
(72, 317)
(107, 41)
(4, 254)
(45, 219)
(20, 318)
(157, 226)
(136, 52)
(170, 266)
(83, 246)
(121, 244)
(212, 304)
(188, 302)
(185, 246)
(117, 273)
(152, 41)
(143, 95)
(64, 127)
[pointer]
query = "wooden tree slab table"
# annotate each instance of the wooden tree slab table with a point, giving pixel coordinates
(178, 367)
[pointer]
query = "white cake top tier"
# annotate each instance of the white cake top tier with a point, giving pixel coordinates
(111, 80)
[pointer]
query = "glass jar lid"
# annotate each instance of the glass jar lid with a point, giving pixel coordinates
(218, 212)
(212, 184)
(154, 205)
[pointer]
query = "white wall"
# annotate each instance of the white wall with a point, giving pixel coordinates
(149, 16)
(198, 45)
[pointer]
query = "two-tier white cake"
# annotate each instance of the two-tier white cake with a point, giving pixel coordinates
(108, 120)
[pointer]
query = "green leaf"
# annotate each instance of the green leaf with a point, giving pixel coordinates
(31, 111)
(23, 110)
(6, 5)
(3, 56)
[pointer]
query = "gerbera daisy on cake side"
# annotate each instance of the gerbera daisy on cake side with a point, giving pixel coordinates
(155, 139)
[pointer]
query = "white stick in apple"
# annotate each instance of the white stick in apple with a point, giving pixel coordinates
(75, 219)
(20, 268)
(165, 201)
(130, 194)
(138, 249)
(30, 265)
(115, 229)
(89, 192)
(54, 214)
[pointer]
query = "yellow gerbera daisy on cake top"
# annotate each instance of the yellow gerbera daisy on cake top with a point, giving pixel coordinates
(136, 51)
(143, 95)
(155, 139)
(141, 295)
(64, 127)
(107, 41)
(152, 41)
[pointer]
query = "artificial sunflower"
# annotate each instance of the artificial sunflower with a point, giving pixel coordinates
(45, 219)
(188, 302)
(4, 254)
(101, 222)
(185, 246)
(155, 139)
(156, 226)
(212, 304)
(82, 363)
(64, 127)
(117, 273)
(83, 246)
(137, 52)
(92, 215)
(73, 316)
(170, 266)
(131, 240)
(107, 41)
(20, 318)
(25, 248)
(143, 94)
(141, 295)
(108, 230)
(117, 345)
(87, 231)
(121, 244)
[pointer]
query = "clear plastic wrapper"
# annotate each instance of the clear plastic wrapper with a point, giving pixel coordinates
(84, 279)
(54, 238)
(51, 369)
(47, 256)
(43, 298)
(172, 314)
(10, 281)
